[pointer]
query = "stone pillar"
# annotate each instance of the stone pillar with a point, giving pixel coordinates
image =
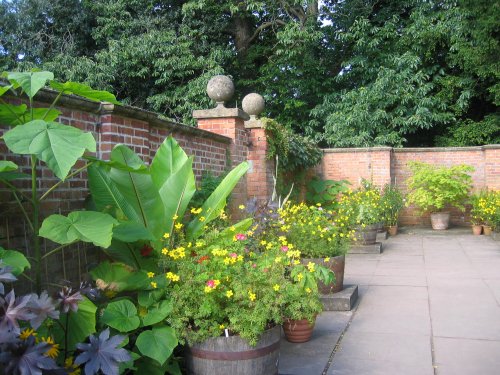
(229, 122)
(260, 175)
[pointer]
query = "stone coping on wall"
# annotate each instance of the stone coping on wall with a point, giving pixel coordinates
(220, 112)
(410, 149)
(104, 108)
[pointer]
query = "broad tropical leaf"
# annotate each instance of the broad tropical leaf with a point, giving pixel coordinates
(4, 89)
(14, 259)
(130, 255)
(7, 166)
(121, 315)
(216, 201)
(30, 82)
(138, 190)
(157, 344)
(85, 91)
(12, 114)
(169, 158)
(58, 145)
(86, 226)
(131, 231)
(120, 277)
(157, 313)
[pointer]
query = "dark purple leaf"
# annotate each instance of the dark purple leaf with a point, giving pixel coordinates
(26, 357)
(69, 300)
(5, 276)
(13, 309)
(102, 353)
(42, 307)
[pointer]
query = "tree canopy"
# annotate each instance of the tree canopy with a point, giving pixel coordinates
(345, 72)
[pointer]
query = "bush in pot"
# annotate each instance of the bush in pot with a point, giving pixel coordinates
(486, 209)
(392, 203)
(433, 188)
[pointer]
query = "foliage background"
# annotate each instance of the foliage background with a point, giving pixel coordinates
(347, 73)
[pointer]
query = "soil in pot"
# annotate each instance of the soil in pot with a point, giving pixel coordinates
(298, 330)
(440, 220)
(234, 356)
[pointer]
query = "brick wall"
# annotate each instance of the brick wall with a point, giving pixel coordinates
(382, 165)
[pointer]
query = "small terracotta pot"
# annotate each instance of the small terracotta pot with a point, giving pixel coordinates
(487, 230)
(298, 330)
(393, 230)
(477, 229)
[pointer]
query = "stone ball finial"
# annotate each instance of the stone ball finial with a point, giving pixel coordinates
(253, 104)
(220, 88)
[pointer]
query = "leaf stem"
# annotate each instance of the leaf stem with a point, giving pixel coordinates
(36, 226)
(53, 251)
(52, 105)
(63, 181)
(26, 216)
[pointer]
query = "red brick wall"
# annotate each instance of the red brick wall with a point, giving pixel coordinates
(260, 175)
(382, 165)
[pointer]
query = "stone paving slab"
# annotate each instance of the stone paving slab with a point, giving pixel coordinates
(376, 248)
(429, 304)
(340, 301)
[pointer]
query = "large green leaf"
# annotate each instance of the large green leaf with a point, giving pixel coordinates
(7, 166)
(81, 324)
(31, 82)
(131, 231)
(85, 91)
(14, 259)
(106, 194)
(121, 315)
(157, 313)
(138, 190)
(216, 201)
(120, 277)
(86, 226)
(240, 227)
(169, 159)
(157, 344)
(176, 193)
(4, 89)
(11, 114)
(130, 255)
(56, 144)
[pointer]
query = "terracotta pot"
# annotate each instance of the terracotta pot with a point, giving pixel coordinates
(298, 330)
(233, 355)
(366, 235)
(487, 230)
(393, 230)
(440, 220)
(337, 265)
(477, 229)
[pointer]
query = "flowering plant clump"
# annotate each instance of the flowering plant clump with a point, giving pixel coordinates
(314, 231)
(486, 208)
(362, 206)
(391, 204)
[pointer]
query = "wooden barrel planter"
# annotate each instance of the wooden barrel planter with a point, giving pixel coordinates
(234, 356)
(366, 235)
(337, 265)
(298, 330)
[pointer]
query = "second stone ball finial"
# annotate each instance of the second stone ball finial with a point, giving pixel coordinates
(220, 88)
(253, 104)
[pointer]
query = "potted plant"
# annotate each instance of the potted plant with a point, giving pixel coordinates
(363, 210)
(433, 188)
(486, 206)
(392, 203)
(321, 236)
(476, 214)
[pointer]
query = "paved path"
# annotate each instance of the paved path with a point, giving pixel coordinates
(429, 305)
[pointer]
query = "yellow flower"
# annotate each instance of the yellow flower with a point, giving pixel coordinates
(277, 259)
(327, 259)
(241, 206)
(310, 266)
(175, 217)
(53, 351)
(300, 276)
(172, 276)
(154, 285)
(263, 242)
(166, 235)
(202, 218)
(308, 290)
(229, 293)
(151, 275)
(164, 251)
(178, 226)
(233, 229)
(251, 296)
(221, 326)
(276, 287)
(27, 333)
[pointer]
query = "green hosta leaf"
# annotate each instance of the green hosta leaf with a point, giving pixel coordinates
(31, 82)
(120, 277)
(58, 145)
(138, 190)
(85, 91)
(7, 166)
(86, 226)
(157, 344)
(4, 89)
(130, 231)
(147, 298)
(15, 259)
(216, 201)
(157, 313)
(121, 315)
(81, 324)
